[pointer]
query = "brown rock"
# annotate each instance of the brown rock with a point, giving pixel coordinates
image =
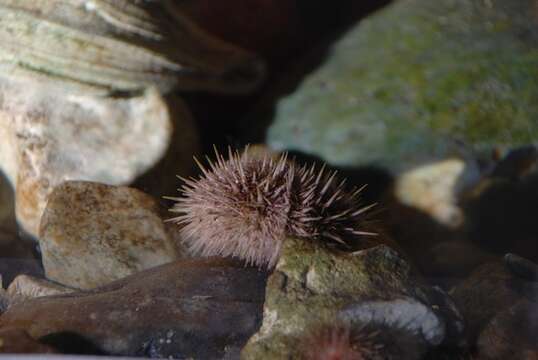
(203, 309)
(488, 290)
(92, 234)
(511, 334)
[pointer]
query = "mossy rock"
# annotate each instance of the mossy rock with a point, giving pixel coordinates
(419, 81)
(313, 286)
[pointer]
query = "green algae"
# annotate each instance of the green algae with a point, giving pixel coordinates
(419, 81)
(311, 284)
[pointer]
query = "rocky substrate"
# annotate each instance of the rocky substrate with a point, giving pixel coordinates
(430, 104)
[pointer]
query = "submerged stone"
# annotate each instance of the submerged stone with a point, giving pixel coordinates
(92, 234)
(203, 309)
(117, 46)
(374, 287)
(417, 82)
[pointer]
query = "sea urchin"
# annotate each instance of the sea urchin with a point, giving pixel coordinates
(245, 207)
(339, 342)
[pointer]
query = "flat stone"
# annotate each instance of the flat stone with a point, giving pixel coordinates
(374, 287)
(28, 287)
(92, 234)
(203, 309)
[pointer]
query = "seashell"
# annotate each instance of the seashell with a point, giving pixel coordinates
(118, 46)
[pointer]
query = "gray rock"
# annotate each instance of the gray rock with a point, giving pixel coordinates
(92, 234)
(417, 82)
(28, 287)
(521, 267)
(373, 287)
(202, 309)
(405, 313)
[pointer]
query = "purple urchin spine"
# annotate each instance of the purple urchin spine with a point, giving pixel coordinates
(245, 207)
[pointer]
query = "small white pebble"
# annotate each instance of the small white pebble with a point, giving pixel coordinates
(89, 5)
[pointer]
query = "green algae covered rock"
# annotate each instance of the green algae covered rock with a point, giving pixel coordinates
(418, 81)
(312, 285)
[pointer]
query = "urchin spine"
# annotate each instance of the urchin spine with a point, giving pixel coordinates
(245, 207)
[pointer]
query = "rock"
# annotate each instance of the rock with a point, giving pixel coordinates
(489, 290)
(434, 189)
(372, 287)
(203, 309)
(92, 234)
(16, 341)
(521, 267)
(121, 46)
(427, 94)
(178, 159)
(28, 287)
(511, 334)
(53, 139)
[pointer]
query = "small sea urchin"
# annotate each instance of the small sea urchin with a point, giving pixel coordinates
(245, 207)
(339, 342)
